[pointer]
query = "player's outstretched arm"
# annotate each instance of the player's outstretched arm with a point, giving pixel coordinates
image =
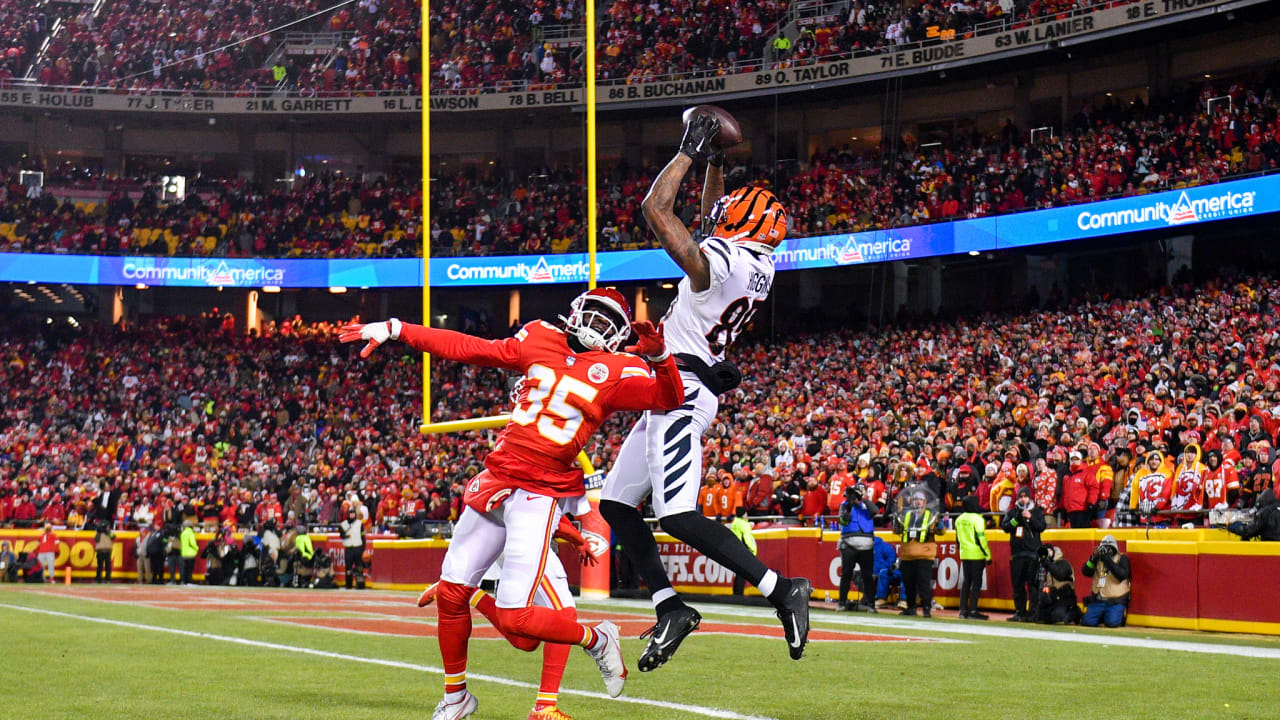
(665, 390)
(659, 203)
(444, 343)
(713, 183)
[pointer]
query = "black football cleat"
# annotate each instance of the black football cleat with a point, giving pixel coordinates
(794, 614)
(665, 636)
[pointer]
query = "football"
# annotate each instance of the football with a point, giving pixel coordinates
(730, 132)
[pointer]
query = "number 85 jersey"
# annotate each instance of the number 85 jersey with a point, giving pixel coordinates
(564, 397)
(706, 323)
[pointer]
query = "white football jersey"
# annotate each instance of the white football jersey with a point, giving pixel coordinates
(706, 323)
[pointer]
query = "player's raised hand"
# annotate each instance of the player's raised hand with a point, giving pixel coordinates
(699, 134)
(567, 533)
(649, 342)
(374, 334)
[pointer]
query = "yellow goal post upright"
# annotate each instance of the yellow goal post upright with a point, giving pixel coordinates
(496, 421)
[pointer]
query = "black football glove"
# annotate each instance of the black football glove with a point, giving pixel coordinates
(698, 136)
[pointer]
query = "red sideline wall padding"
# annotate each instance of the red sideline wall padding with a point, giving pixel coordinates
(1182, 578)
(75, 550)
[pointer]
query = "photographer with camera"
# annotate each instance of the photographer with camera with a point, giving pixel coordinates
(1057, 582)
(857, 546)
(1265, 523)
(1024, 522)
(1111, 585)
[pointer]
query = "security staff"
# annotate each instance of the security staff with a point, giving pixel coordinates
(918, 552)
(189, 549)
(741, 529)
(975, 555)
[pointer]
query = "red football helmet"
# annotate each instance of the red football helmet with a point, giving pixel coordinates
(751, 217)
(600, 319)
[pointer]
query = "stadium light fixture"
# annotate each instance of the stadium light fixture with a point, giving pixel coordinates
(667, 285)
(337, 289)
(270, 288)
(974, 253)
(140, 286)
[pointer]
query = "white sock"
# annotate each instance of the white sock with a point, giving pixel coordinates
(453, 697)
(661, 595)
(768, 583)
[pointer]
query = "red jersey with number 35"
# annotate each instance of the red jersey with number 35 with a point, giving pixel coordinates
(564, 397)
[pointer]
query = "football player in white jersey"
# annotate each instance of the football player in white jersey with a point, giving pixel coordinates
(727, 276)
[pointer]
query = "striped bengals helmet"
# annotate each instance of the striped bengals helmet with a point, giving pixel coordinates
(749, 216)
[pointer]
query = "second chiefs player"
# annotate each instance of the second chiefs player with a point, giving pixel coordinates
(573, 379)
(727, 277)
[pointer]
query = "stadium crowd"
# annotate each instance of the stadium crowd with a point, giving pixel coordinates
(1117, 148)
(491, 45)
(1114, 149)
(645, 42)
(1172, 394)
(844, 30)
(323, 216)
(188, 46)
(21, 32)
(138, 45)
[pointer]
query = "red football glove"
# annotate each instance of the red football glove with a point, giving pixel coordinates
(649, 342)
(428, 596)
(375, 333)
(567, 533)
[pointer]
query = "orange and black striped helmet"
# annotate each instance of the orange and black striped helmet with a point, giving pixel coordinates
(749, 216)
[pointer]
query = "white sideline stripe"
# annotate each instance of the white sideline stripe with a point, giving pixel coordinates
(675, 707)
(1248, 651)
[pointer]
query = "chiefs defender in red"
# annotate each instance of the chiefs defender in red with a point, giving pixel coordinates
(573, 380)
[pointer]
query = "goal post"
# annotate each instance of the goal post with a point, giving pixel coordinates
(595, 577)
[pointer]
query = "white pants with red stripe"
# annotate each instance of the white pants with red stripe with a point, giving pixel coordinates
(520, 531)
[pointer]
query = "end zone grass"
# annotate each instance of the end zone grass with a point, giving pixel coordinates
(72, 665)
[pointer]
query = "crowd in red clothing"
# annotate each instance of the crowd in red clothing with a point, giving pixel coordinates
(380, 50)
(138, 46)
(1110, 408)
(642, 42)
(1117, 148)
(322, 216)
(865, 27)
(184, 45)
(224, 426)
(21, 31)
(492, 45)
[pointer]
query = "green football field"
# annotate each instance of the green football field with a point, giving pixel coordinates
(91, 652)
